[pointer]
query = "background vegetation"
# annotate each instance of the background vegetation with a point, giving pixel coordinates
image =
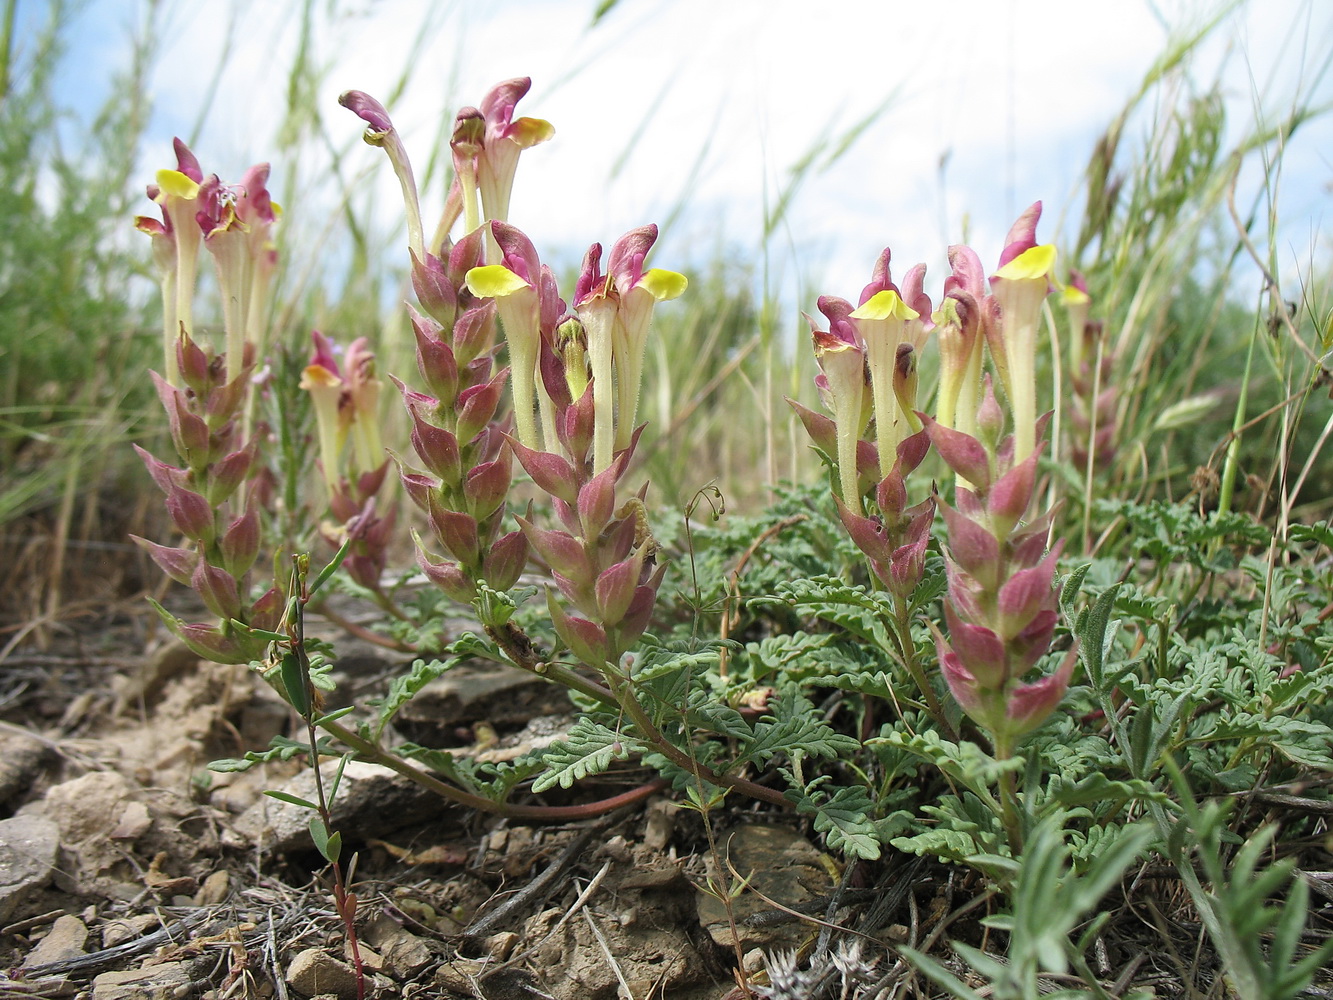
(1219, 397)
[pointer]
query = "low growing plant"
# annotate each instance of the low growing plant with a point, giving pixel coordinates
(930, 685)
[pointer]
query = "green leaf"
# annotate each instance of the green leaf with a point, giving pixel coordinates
(295, 800)
(588, 749)
(325, 844)
(333, 716)
(280, 748)
(405, 686)
(842, 815)
(795, 727)
(294, 682)
(1098, 788)
(938, 974)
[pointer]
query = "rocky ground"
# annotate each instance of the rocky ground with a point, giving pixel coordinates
(128, 870)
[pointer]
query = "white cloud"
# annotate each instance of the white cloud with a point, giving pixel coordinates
(1011, 94)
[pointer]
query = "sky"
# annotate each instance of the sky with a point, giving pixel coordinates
(713, 102)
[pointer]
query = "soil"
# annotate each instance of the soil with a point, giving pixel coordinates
(129, 870)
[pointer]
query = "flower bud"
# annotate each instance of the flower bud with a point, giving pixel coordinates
(435, 359)
(551, 473)
(196, 372)
(239, 544)
(178, 564)
(559, 549)
(446, 575)
(191, 514)
(418, 487)
(505, 560)
(457, 532)
(266, 613)
(227, 474)
(167, 477)
(218, 590)
(437, 449)
(597, 502)
(477, 405)
(585, 639)
(486, 486)
(435, 291)
(615, 587)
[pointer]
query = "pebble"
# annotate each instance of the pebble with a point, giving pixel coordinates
(64, 941)
(168, 981)
(314, 971)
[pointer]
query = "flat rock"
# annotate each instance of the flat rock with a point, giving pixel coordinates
(65, 940)
(169, 981)
(87, 808)
(777, 863)
(313, 972)
(372, 802)
(28, 846)
(404, 953)
(505, 697)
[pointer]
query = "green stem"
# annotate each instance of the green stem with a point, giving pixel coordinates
(1232, 465)
(7, 47)
(902, 608)
(556, 814)
(624, 693)
(518, 647)
(1009, 811)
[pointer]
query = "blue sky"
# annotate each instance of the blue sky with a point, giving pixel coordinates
(987, 109)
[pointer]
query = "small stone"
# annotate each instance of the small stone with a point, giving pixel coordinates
(404, 952)
(659, 824)
(617, 849)
(657, 875)
(457, 976)
(214, 890)
(371, 960)
(780, 865)
(82, 805)
(500, 946)
(124, 929)
(64, 941)
(134, 823)
(314, 971)
(753, 960)
(28, 846)
(168, 981)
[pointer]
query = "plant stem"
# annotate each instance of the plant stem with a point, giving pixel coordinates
(1229, 470)
(902, 609)
(624, 694)
(556, 814)
(518, 647)
(361, 632)
(344, 902)
(1009, 813)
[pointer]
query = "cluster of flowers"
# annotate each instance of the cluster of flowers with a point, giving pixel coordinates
(1001, 603)
(574, 375)
(235, 224)
(1095, 400)
(215, 496)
